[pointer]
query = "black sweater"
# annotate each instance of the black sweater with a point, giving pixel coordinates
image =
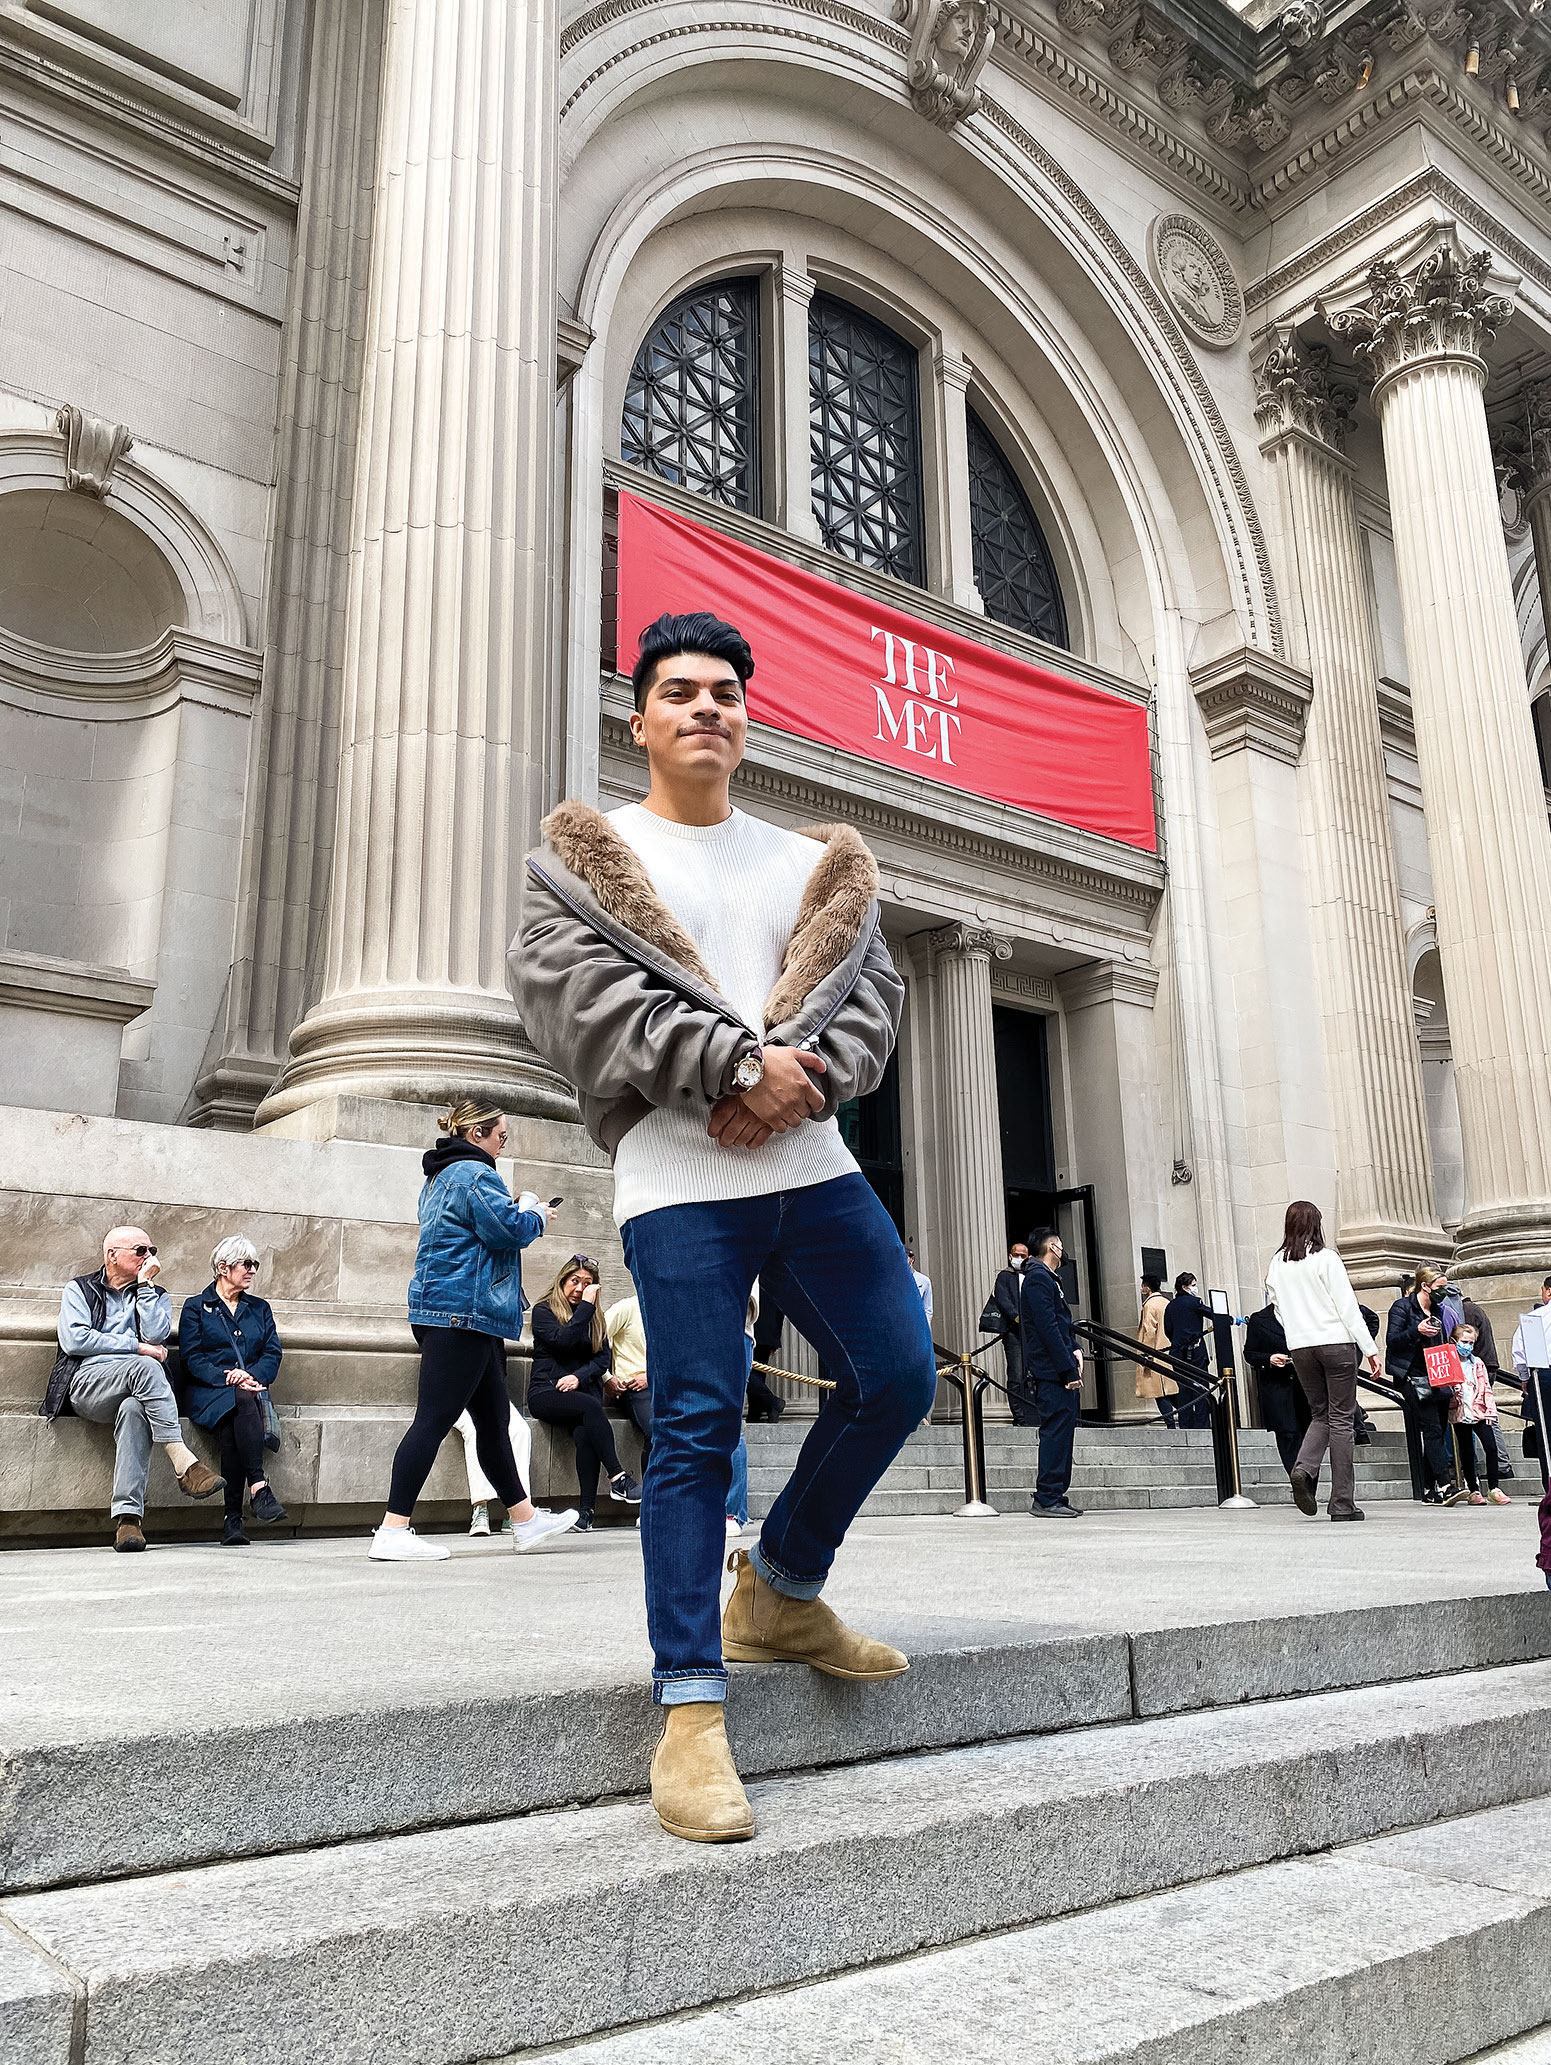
(567, 1351)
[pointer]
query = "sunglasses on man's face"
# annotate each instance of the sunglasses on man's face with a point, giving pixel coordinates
(246, 1262)
(139, 1253)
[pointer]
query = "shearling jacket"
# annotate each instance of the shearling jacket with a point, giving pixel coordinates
(614, 994)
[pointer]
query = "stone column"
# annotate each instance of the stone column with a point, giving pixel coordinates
(972, 1221)
(1422, 332)
(1529, 462)
(288, 828)
(794, 498)
(445, 711)
(958, 543)
(1386, 1209)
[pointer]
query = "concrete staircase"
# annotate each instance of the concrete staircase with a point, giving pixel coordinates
(1116, 1469)
(1324, 1837)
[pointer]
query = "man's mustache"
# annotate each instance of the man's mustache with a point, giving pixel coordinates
(710, 726)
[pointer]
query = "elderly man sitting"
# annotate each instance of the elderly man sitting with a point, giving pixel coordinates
(112, 1327)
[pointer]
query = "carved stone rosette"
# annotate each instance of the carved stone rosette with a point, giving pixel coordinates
(1445, 306)
(1296, 390)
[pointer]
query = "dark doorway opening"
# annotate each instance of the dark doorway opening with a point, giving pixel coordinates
(870, 1127)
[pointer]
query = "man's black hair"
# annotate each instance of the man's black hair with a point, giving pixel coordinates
(1186, 1276)
(1546, 1284)
(1153, 1283)
(698, 632)
(1039, 1240)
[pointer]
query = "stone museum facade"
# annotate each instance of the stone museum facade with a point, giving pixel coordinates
(1200, 358)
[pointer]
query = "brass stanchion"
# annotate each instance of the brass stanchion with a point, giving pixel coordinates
(960, 1370)
(1240, 1500)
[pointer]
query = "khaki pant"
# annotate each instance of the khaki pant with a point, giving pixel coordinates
(1328, 1375)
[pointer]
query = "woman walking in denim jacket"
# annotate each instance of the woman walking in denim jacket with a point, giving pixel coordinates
(465, 1303)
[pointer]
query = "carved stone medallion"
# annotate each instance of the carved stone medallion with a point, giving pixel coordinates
(1193, 270)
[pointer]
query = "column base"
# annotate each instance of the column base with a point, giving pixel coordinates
(227, 1096)
(1376, 1257)
(419, 1047)
(1504, 1256)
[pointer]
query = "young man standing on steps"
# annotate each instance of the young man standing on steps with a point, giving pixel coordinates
(716, 987)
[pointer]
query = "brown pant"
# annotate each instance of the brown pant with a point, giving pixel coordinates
(1328, 1375)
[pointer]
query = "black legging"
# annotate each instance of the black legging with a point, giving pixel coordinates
(582, 1412)
(1468, 1430)
(240, 1437)
(460, 1371)
(1432, 1415)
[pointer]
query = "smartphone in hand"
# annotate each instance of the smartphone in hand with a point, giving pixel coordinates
(555, 1201)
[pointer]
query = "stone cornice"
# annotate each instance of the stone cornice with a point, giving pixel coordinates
(1432, 185)
(1250, 702)
(1109, 982)
(1441, 305)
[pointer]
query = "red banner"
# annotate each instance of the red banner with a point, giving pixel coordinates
(832, 666)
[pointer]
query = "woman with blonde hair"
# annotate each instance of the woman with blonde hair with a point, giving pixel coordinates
(571, 1358)
(465, 1303)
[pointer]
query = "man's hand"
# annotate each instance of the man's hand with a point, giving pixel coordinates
(235, 1376)
(1075, 1384)
(734, 1125)
(1280, 1361)
(786, 1096)
(154, 1350)
(566, 1384)
(149, 1270)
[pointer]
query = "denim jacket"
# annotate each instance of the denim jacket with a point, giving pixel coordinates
(467, 1271)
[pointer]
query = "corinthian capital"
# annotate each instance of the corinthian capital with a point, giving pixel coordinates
(1296, 390)
(1444, 305)
(970, 941)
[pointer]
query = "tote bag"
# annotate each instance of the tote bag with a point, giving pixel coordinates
(1444, 1369)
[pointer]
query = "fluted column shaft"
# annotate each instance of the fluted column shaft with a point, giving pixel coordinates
(969, 1141)
(1537, 509)
(1387, 1214)
(445, 640)
(1488, 838)
(288, 826)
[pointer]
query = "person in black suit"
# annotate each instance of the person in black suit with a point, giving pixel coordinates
(1186, 1318)
(1052, 1362)
(1007, 1298)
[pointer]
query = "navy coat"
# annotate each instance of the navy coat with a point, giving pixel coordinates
(211, 1341)
(1049, 1345)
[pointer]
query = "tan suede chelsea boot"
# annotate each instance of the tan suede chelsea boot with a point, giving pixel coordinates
(762, 1626)
(695, 1784)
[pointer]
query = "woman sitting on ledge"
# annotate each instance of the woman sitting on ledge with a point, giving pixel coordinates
(230, 1354)
(571, 1358)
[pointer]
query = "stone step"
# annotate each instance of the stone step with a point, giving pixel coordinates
(480, 1940)
(1357, 1954)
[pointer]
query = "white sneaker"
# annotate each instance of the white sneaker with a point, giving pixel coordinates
(734, 1527)
(480, 1524)
(543, 1527)
(403, 1545)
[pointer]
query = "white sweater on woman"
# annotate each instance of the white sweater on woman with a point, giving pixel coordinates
(1315, 1302)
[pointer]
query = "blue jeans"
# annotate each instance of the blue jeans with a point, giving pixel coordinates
(832, 1258)
(738, 1491)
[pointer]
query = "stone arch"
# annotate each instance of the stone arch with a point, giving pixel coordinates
(32, 463)
(996, 164)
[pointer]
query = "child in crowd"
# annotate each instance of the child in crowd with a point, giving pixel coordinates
(1473, 1414)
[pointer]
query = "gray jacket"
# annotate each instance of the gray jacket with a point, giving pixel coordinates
(614, 994)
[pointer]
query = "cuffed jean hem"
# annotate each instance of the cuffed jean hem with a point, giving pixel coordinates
(780, 1581)
(688, 1691)
(121, 1509)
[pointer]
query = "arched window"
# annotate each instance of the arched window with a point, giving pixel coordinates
(692, 405)
(866, 440)
(1013, 568)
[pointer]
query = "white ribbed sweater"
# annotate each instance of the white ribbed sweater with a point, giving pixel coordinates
(1315, 1302)
(736, 889)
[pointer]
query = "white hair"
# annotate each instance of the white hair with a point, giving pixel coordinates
(235, 1248)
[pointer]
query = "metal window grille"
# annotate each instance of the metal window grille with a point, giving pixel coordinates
(691, 411)
(1013, 568)
(866, 440)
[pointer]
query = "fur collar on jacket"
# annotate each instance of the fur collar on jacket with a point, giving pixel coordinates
(834, 905)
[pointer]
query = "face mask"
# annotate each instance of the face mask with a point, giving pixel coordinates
(1466, 1350)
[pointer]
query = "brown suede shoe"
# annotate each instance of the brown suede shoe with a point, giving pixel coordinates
(762, 1626)
(695, 1784)
(130, 1536)
(198, 1482)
